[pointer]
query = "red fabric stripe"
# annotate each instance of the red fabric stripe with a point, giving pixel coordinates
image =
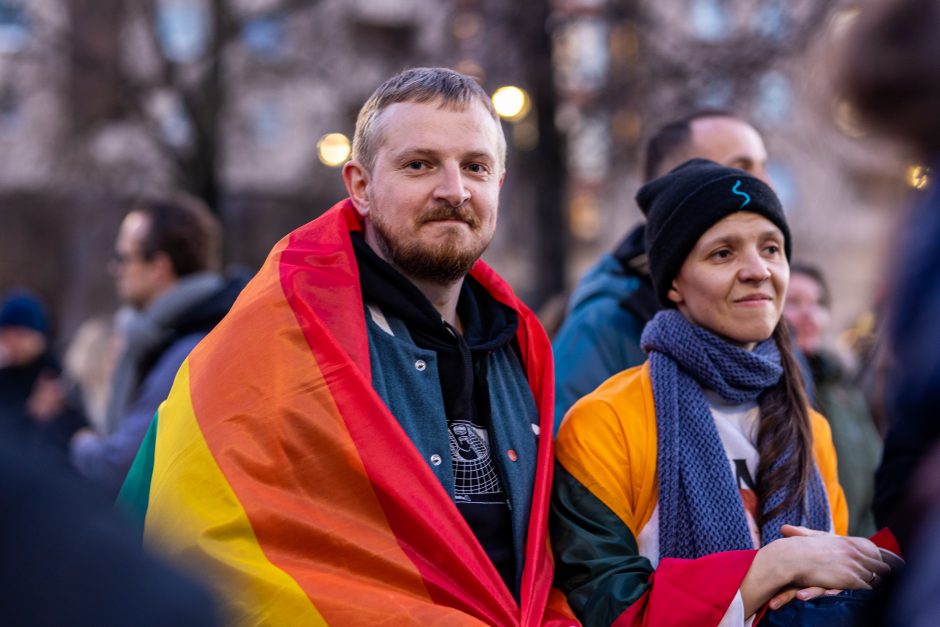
(884, 538)
(689, 592)
(320, 280)
(536, 584)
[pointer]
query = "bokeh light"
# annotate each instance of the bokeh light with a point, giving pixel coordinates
(333, 149)
(511, 103)
(918, 176)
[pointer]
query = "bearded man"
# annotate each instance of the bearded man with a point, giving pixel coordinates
(312, 456)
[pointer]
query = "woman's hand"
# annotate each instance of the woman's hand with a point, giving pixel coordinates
(806, 563)
(824, 560)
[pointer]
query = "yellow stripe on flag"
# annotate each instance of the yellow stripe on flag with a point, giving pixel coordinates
(214, 538)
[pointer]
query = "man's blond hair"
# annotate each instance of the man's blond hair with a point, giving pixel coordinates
(422, 84)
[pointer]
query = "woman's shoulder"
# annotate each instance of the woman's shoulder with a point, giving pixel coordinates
(620, 410)
(607, 442)
(824, 452)
(624, 395)
(823, 449)
(819, 426)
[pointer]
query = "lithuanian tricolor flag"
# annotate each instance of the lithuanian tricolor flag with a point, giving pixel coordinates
(274, 468)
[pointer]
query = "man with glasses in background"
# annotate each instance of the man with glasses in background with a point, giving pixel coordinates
(165, 267)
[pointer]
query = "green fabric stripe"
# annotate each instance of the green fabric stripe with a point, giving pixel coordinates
(597, 561)
(134, 497)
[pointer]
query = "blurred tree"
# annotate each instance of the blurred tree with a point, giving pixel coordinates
(165, 66)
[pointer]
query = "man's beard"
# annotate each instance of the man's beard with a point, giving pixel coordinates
(440, 262)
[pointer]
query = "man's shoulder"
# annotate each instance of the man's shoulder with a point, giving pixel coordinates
(604, 284)
(168, 361)
(601, 316)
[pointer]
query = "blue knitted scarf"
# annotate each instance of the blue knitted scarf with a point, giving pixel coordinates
(700, 507)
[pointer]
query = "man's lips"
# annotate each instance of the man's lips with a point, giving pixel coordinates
(450, 215)
(449, 220)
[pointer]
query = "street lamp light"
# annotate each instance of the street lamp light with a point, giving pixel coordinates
(511, 103)
(333, 149)
(918, 176)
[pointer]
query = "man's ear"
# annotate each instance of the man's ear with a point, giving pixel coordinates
(356, 178)
(163, 265)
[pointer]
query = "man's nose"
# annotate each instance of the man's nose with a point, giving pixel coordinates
(451, 187)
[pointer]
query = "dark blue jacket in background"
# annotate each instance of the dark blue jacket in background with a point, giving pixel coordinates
(70, 559)
(601, 334)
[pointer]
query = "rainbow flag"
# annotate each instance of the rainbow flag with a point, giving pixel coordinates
(275, 470)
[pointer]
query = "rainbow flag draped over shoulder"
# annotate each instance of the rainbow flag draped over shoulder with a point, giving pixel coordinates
(276, 470)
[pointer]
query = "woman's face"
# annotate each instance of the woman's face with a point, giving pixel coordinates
(806, 312)
(734, 281)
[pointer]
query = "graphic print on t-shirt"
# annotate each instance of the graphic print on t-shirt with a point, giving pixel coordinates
(475, 476)
(746, 486)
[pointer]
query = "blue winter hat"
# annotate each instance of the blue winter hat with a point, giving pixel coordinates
(22, 309)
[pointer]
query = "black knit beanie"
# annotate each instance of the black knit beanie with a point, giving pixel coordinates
(687, 201)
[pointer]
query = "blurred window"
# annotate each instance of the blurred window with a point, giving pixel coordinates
(774, 99)
(781, 174)
(589, 148)
(175, 126)
(183, 29)
(582, 54)
(772, 19)
(14, 26)
(9, 110)
(717, 94)
(711, 19)
(267, 122)
(265, 37)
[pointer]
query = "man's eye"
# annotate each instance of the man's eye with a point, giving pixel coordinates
(415, 165)
(724, 253)
(478, 168)
(772, 249)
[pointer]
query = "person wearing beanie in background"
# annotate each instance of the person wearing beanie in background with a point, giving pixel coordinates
(32, 399)
(699, 486)
(614, 299)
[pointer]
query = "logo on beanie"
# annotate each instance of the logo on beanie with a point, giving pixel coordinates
(736, 192)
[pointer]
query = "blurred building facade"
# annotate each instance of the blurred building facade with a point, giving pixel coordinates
(101, 100)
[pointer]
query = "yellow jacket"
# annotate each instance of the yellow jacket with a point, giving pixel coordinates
(607, 449)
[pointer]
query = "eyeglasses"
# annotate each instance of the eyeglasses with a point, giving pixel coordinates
(119, 259)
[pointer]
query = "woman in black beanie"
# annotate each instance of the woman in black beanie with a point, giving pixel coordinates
(698, 487)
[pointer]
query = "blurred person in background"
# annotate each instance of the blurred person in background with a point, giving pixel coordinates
(89, 362)
(614, 300)
(838, 398)
(70, 559)
(891, 74)
(32, 395)
(165, 268)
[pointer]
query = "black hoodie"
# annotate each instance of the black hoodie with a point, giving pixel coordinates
(462, 369)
